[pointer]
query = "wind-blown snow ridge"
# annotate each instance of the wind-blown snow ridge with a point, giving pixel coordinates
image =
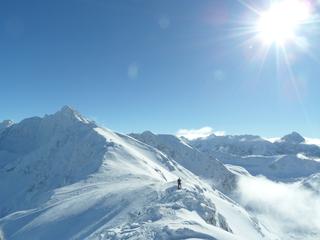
(69, 178)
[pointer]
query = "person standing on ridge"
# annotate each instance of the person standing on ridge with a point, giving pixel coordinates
(179, 183)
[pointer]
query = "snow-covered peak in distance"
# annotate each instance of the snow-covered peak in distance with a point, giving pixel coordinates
(5, 124)
(280, 160)
(293, 138)
(243, 137)
(235, 144)
(67, 110)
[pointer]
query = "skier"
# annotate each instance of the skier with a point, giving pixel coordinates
(179, 183)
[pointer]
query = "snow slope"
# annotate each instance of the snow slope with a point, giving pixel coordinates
(200, 164)
(64, 177)
(286, 159)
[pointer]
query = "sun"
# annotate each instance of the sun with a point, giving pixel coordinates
(278, 35)
(281, 22)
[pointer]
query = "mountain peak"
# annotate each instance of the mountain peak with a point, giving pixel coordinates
(67, 113)
(293, 137)
(6, 123)
(67, 108)
(148, 133)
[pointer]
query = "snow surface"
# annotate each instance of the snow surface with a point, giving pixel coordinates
(64, 177)
(200, 164)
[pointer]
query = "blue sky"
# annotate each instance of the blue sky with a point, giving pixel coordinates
(133, 65)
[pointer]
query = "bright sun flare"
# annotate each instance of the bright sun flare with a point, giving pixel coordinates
(281, 22)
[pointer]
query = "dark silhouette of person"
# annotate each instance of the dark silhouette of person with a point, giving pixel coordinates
(179, 183)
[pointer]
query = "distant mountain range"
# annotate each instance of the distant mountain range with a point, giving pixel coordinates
(286, 159)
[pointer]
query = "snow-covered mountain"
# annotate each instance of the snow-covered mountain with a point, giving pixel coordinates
(287, 159)
(201, 164)
(64, 177)
(5, 123)
(292, 138)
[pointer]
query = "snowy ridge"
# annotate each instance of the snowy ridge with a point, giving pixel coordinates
(71, 179)
(200, 164)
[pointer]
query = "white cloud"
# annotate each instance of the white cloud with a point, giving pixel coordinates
(198, 133)
(133, 70)
(315, 141)
(272, 139)
(290, 210)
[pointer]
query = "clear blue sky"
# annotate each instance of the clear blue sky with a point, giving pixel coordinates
(133, 65)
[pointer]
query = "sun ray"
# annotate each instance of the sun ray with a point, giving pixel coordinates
(284, 26)
(248, 6)
(294, 84)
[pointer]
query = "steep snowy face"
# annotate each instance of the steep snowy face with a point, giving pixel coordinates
(63, 177)
(200, 164)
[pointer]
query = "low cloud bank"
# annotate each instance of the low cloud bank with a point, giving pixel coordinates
(315, 141)
(289, 210)
(204, 132)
